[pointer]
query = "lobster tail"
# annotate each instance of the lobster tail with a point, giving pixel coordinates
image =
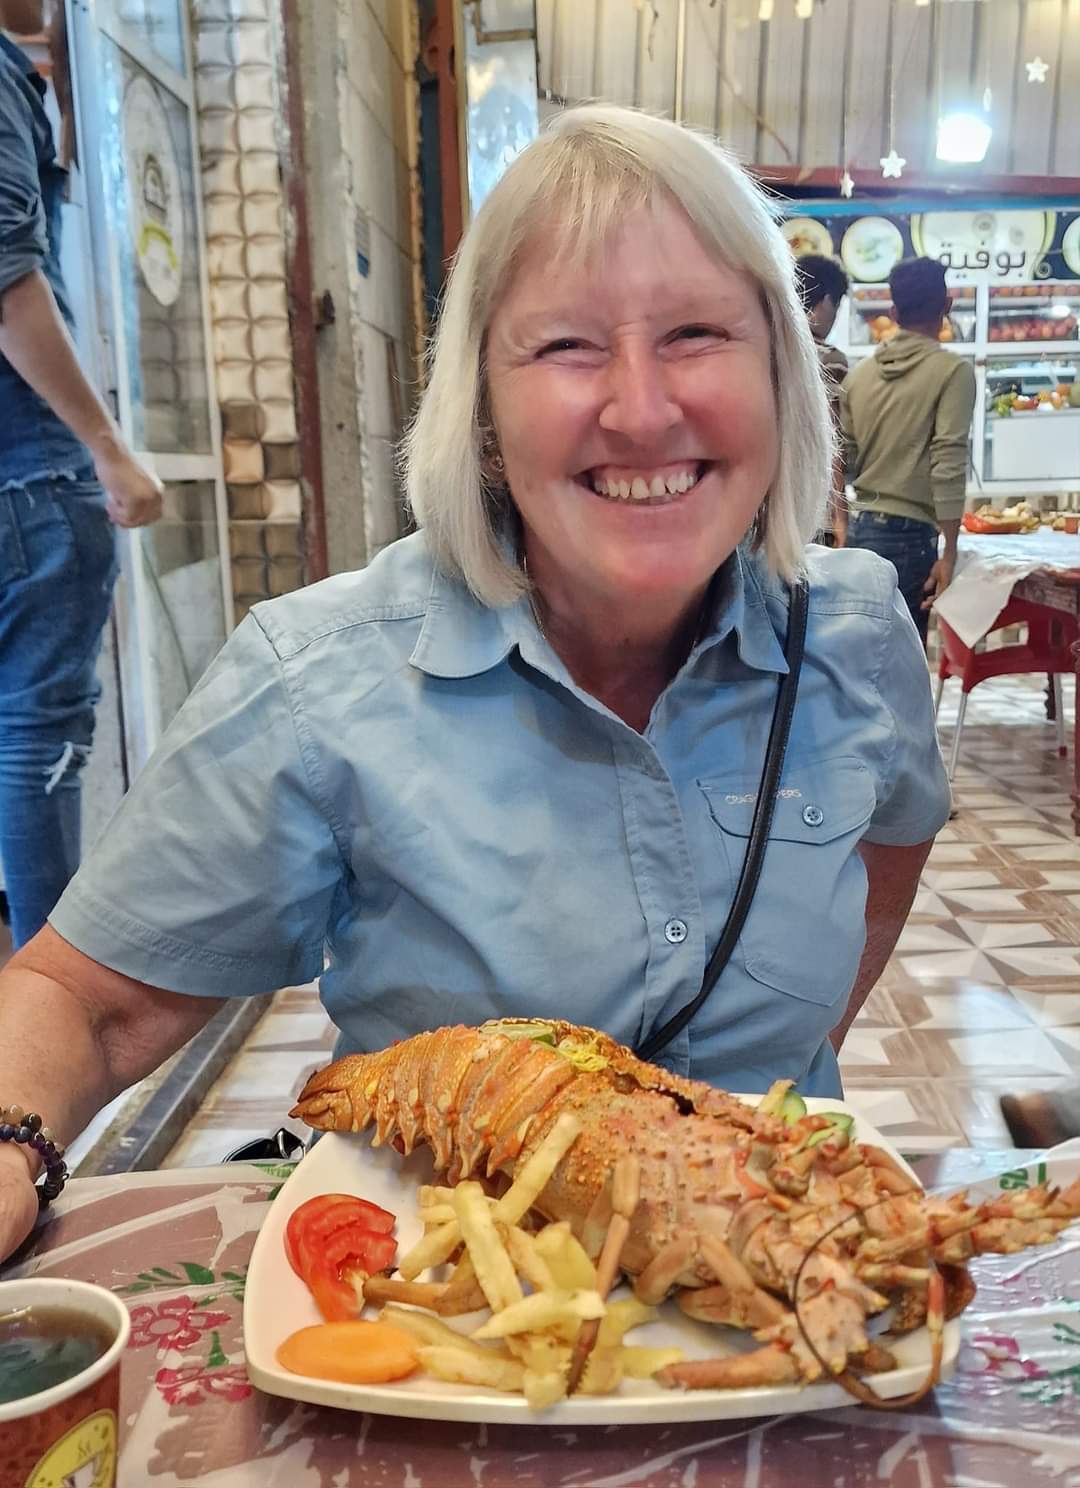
(467, 1093)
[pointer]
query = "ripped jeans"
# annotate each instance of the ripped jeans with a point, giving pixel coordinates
(57, 574)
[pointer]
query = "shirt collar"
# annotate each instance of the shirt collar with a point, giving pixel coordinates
(460, 637)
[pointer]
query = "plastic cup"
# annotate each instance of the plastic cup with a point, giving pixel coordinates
(66, 1434)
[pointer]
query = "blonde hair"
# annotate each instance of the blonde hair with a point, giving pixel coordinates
(593, 166)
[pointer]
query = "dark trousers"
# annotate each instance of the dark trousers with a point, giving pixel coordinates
(911, 547)
(57, 570)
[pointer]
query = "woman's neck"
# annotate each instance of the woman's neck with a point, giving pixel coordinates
(624, 660)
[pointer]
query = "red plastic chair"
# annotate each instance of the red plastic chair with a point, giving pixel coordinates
(1047, 649)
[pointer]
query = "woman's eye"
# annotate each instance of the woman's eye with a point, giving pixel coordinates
(695, 332)
(567, 343)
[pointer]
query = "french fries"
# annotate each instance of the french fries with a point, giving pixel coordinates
(541, 1290)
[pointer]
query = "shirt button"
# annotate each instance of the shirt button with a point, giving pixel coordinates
(675, 931)
(813, 816)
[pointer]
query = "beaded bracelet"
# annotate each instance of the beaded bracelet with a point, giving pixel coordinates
(28, 1131)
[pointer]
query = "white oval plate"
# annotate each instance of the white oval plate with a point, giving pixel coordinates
(871, 248)
(276, 1303)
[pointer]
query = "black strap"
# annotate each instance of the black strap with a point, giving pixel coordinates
(759, 827)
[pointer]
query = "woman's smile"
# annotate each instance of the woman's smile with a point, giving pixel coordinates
(661, 485)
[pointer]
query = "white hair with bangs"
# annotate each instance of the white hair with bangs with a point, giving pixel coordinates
(590, 168)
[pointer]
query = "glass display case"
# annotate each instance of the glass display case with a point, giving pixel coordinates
(871, 322)
(1033, 312)
(1032, 417)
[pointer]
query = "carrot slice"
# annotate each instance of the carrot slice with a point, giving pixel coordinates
(357, 1353)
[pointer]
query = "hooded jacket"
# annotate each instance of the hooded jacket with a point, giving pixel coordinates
(906, 413)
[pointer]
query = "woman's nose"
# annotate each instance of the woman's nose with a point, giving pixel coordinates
(639, 401)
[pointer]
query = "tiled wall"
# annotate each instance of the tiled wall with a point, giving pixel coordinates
(243, 204)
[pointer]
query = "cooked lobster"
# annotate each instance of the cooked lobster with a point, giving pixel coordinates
(786, 1227)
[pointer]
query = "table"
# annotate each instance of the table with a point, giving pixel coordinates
(1042, 567)
(176, 1245)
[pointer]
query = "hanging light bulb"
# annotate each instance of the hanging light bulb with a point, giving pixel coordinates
(963, 138)
(765, 10)
(804, 9)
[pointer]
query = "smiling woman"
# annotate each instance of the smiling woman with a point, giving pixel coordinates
(513, 768)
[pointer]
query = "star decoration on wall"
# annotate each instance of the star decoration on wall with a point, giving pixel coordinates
(892, 165)
(847, 185)
(1037, 70)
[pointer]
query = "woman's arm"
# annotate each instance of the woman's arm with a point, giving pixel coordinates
(892, 880)
(73, 1035)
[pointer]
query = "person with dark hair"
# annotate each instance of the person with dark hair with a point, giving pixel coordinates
(822, 285)
(67, 478)
(906, 416)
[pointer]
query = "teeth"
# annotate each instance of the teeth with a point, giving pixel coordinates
(642, 489)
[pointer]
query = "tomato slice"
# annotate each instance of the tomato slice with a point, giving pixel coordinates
(344, 1259)
(323, 1215)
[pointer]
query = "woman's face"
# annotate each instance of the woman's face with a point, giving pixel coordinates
(635, 414)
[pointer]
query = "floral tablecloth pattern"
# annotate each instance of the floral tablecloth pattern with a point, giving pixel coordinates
(176, 1246)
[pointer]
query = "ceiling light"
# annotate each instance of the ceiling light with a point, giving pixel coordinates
(963, 138)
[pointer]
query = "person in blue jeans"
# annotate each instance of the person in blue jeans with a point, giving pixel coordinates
(67, 478)
(905, 414)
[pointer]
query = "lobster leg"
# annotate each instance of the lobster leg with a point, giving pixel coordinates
(735, 1299)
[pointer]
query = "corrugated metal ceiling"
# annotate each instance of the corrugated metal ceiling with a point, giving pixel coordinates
(818, 92)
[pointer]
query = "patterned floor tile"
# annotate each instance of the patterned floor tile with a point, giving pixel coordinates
(965, 1007)
(1049, 1009)
(969, 963)
(990, 933)
(1040, 960)
(1002, 1054)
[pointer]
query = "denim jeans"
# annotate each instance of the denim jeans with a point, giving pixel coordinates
(57, 574)
(911, 547)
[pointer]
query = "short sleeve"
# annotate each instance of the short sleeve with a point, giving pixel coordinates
(217, 874)
(23, 241)
(913, 799)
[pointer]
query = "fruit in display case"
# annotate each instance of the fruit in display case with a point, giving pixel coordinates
(1032, 329)
(883, 328)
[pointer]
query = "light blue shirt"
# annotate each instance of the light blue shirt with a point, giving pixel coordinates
(379, 770)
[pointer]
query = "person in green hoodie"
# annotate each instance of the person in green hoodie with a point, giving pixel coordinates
(905, 414)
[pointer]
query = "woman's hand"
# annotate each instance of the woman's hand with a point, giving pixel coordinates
(18, 1199)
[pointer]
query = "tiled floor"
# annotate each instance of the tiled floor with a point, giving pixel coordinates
(982, 995)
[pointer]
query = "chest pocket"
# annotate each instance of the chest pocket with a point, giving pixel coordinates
(805, 932)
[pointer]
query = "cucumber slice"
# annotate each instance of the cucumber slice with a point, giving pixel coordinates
(792, 1108)
(841, 1125)
(828, 1134)
(774, 1097)
(539, 1032)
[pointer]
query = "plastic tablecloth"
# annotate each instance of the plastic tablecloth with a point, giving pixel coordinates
(176, 1246)
(988, 568)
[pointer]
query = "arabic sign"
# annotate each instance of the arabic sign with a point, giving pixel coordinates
(154, 191)
(998, 245)
(1007, 246)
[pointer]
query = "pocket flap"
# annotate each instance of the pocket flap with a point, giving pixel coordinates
(816, 802)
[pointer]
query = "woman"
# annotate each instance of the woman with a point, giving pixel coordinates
(510, 768)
